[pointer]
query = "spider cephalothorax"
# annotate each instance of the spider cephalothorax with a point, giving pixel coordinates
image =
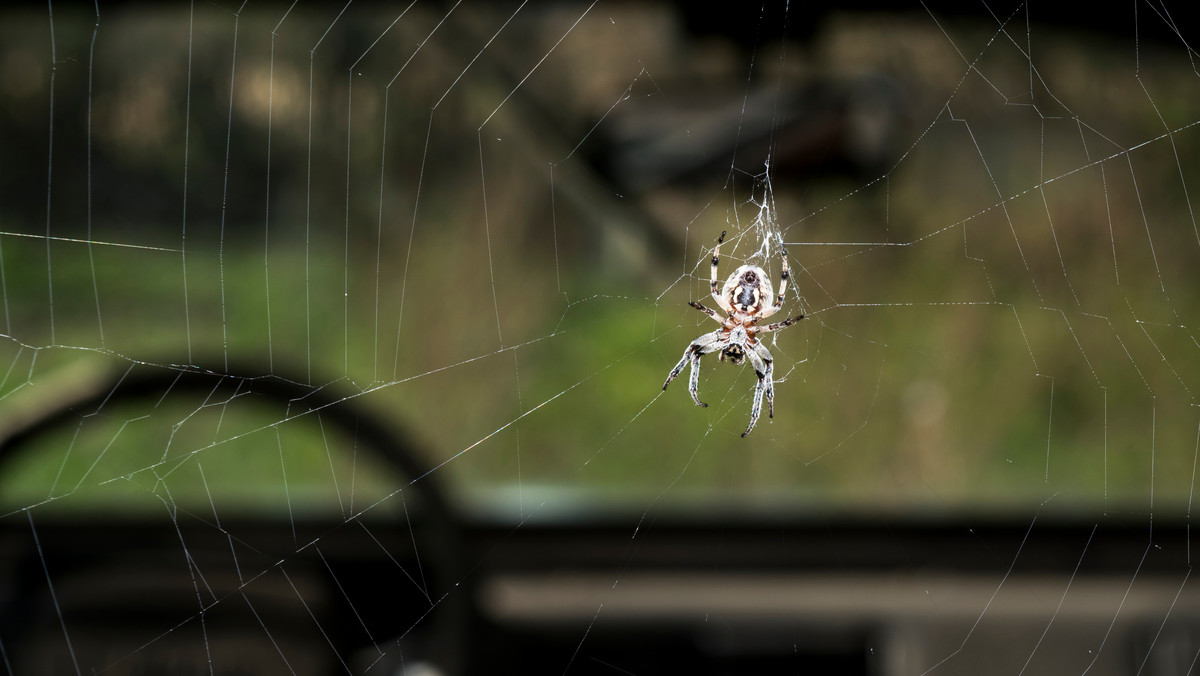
(744, 300)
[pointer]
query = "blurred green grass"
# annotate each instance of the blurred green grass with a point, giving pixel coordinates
(956, 369)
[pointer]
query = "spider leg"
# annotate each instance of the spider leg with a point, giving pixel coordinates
(761, 351)
(779, 325)
(716, 284)
(687, 355)
(763, 369)
(709, 342)
(708, 311)
(783, 280)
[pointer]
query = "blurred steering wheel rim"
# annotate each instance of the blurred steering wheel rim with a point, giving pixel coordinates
(444, 552)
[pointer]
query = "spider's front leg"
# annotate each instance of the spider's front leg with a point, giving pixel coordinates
(708, 311)
(716, 283)
(783, 282)
(780, 325)
(709, 342)
(764, 368)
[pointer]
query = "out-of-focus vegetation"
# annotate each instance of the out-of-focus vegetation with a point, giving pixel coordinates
(417, 219)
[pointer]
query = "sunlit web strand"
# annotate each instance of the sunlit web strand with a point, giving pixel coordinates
(312, 57)
(1087, 165)
(1061, 599)
(53, 597)
(1000, 204)
(992, 598)
(346, 244)
(267, 208)
(225, 189)
(417, 199)
(91, 257)
(382, 180)
(50, 175)
(74, 240)
(536, 66)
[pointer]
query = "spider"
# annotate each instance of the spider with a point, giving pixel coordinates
(744, 300)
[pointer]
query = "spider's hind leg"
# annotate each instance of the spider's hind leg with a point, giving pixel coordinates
(768, 375)
(709, 342)
(764, 367)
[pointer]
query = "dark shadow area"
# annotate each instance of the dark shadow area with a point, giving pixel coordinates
(716, 592)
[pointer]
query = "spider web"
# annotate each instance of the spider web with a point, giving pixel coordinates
(243, 248)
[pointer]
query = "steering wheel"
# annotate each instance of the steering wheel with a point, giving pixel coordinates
(374, 588)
